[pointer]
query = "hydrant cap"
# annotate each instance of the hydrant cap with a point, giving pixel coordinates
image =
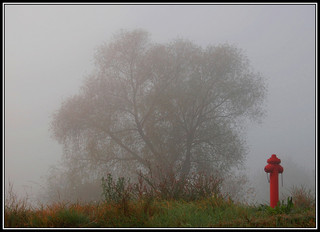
(273, 160)
(273, 165)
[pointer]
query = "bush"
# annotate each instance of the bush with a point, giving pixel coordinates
(115, 191)
(196, 187)
(302, 198)
(281, 207)
(16, 210)
(68, 218)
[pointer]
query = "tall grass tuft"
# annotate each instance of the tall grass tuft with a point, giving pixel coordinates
(302, 198)
(140, 205)
(196, 187)
(16, 210)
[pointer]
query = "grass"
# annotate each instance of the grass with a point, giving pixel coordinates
(151, 209)
(205, 213)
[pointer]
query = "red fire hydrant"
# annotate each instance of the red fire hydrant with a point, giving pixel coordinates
(274, 168)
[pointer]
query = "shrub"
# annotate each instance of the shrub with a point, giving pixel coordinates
(68, 218)
(117, 192)
(195, 187)
(201, 186)
(302, 198)
(280, 208)
(16, 210)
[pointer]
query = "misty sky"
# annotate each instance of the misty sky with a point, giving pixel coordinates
(49, 50)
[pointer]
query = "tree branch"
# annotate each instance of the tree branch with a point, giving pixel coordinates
(119, 142)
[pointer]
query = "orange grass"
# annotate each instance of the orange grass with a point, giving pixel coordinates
(213, 211)
(144, 213)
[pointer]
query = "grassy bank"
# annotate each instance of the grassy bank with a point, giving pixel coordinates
(197, 203)
(154, 213)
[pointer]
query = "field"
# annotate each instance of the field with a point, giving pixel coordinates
(210, 212)
(198, 206)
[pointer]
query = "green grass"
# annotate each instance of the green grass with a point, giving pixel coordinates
(157, 213)
(198, 204)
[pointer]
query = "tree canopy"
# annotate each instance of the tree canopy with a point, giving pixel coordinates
(161, 108)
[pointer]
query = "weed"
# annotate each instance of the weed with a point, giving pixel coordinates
(302, 198)
(140, 205)
(117, 192)
(195, 187)
(67, 218)
(114, 191)
(16, 210)
(280, 208)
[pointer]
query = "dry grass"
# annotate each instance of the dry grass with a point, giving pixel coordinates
(302, 197)
(211, 211)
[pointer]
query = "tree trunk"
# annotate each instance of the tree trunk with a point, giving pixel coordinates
(187, 162)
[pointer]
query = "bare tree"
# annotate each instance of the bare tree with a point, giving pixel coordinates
(171, 108)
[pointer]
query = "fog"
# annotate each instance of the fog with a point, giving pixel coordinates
(49, 49)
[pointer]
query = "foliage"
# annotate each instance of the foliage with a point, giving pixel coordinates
(176, 106)
(18, 208)
(280, 208)
(115, 191)
(197, 187)
(302, 198)
(68, 218)
(213, 212)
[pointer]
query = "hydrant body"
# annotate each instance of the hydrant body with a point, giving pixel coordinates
(274, 168)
